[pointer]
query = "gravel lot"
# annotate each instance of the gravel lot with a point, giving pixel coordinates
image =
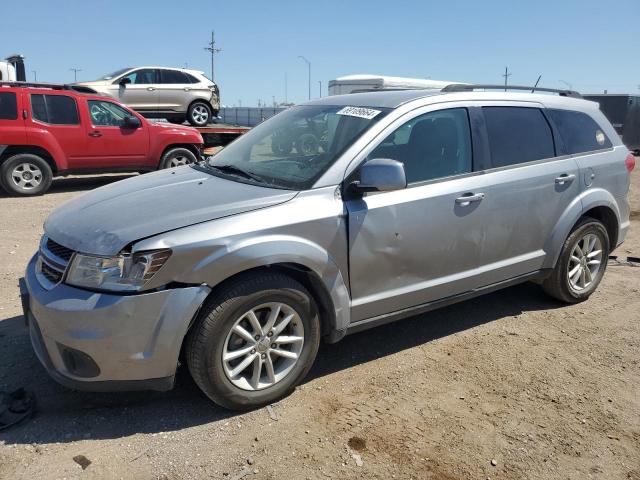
(511, 385)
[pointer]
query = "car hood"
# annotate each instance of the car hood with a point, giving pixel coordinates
(105, 220)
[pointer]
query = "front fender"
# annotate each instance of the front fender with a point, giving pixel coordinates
(587, 200)
(234, 258)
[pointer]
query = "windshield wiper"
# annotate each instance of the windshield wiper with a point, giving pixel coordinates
(238, 171)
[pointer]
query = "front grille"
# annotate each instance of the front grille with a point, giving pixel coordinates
(58, 250)
(50, 273)
(52, 263)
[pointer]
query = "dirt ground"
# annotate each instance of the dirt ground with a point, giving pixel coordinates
(508, 386)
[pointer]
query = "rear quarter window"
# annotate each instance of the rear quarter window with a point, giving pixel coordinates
(579, 132)
(8, 106)
(518, 135)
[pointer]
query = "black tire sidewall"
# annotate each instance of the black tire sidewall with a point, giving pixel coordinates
(218, 386)
(587, 226)
(169, 154)
(190, 114)
(9, 164)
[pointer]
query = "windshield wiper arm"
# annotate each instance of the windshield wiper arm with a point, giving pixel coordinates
(238, 171)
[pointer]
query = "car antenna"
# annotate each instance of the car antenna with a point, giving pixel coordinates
(537, 81)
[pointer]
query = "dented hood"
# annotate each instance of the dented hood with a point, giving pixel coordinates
(105, 220)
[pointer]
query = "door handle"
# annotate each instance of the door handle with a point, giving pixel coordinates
(565, 177)
(95, 133)
(151, 89)
(469, 198)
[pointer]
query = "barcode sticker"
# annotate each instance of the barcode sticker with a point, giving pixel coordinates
(360, 112)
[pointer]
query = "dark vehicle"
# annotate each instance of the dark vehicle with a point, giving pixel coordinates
(308, 136)
(623, 111)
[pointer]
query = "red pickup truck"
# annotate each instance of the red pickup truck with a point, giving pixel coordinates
(48, 130)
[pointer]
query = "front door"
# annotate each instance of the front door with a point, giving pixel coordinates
(109, 143)
(420, 244)
(141, 91)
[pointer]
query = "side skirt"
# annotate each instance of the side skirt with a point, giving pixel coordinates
(426, 307)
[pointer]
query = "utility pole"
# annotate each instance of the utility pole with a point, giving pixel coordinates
(75, 73)
(35, 76)
(320, 87)
(506, 77)
(309, 74)
(213, 50)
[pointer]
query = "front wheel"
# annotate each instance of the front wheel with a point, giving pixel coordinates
(25, 174)
(199, 114)
(177, 157)
(582, 263)
(254, 341)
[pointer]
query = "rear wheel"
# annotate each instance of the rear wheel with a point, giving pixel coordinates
(581, 264)
(26, 174)
(199, 114)
(254, 342)
(176, 157)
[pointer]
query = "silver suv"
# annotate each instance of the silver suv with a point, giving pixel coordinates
(402, 202)
(176, 94)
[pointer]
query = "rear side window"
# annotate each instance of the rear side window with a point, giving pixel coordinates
(579, 132)
(8, 106)
(54, 109)
(173, 76)
(191, 78)
(518, 135)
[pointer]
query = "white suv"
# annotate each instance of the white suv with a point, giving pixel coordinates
(172, 93)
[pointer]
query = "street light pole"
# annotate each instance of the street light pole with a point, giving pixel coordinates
(320, 87)
(567, 84)
(309, 75)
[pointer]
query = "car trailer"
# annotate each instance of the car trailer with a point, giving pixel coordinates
(220, 135)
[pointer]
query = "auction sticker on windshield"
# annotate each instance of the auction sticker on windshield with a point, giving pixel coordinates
(361, 112)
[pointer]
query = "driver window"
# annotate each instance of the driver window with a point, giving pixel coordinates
(106, 114)
(144, 76)
(433, 145)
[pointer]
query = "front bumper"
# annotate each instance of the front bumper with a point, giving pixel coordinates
(105, 342)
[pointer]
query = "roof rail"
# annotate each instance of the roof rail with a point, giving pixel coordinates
(53, 86)
(458, 87)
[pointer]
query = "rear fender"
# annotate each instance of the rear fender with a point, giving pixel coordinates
(589, 199)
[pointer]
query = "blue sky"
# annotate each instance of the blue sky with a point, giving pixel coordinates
(590, 44)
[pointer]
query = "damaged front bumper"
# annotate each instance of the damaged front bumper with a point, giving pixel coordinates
(106, 342)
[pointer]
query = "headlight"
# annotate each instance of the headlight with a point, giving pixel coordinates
(124, 273)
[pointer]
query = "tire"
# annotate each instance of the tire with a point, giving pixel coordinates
(307, 144)
(211, 336)
(176, 157)
(558, 284)
(25, 174)
(199, 114)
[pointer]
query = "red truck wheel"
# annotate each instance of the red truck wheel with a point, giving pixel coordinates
(25, 174)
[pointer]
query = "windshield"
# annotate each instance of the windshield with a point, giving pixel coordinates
(115, 74)
(294, 148)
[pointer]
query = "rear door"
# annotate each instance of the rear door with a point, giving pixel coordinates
(173, 90)
(527, 188)
(54, 120)
(110, 144)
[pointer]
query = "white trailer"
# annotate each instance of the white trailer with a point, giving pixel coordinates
(365, 83)
(12, 69)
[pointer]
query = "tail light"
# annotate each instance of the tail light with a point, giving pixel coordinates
(630, 162)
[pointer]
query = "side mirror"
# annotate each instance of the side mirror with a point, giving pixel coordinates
(125, 81)
(131, 122)
(381, 175)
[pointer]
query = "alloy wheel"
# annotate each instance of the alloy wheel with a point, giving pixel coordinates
(26, 176)
(263, 346)
(585, 262)
(200, 114)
